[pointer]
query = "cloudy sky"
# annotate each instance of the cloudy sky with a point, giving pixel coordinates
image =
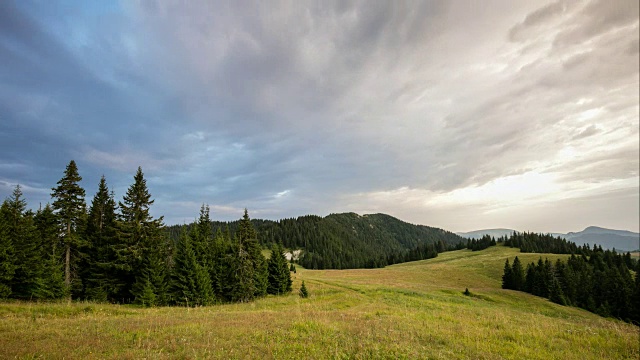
(456, 114)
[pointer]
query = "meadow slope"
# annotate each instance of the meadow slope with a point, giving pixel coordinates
(413, 310)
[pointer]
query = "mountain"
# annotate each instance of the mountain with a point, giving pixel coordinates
(607, 238)
(622, 240)
(496, 233)
(347, 240)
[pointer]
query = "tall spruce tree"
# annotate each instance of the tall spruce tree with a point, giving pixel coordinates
(635, 314)
(279, 274)
(203, 242)
(517, 275)
(240, 283)
(22, 231)
(555, 292)
(52, 280)
(218, 250)
(7, 255)
(507, 276)
(248, 239)
(101, 237)
(70, 208)
(139, 237)
(191, 284)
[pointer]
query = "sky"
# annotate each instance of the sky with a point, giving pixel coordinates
(455, 114)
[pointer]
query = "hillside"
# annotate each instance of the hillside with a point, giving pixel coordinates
(413, 310)
(347, 240)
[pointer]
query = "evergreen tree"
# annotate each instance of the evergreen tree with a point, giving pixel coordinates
(70, 208)
(7, 256)
(530, 278)
(304, 293)
(507, 276)
(204, 241)
(23, 234)
(517, 275)
(139, 237)
(240, 285)
(191, 285)
(555, 293)
(101, 237)
(279, 274)
(248, 240)
(147, 294)
(52, 279)
(635, 317)
(218, 252)
(153, 278)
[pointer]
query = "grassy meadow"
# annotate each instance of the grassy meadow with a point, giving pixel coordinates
(413, 311)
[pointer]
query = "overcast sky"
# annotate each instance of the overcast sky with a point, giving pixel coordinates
(456, 114)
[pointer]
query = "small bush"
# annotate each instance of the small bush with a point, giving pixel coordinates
(304, 293)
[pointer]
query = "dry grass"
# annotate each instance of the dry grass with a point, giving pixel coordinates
(413, 310)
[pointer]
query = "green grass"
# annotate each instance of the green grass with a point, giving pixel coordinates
(407, 311)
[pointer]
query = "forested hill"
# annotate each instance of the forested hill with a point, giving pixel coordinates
(348, 240)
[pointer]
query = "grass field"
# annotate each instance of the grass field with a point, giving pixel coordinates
(413, 310)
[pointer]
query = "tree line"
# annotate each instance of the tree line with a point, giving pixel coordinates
(117, 252)
(545, 243)
(601, 283)
(480, 244)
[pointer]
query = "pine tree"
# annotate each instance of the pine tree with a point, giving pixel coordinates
(635, 317)
(279, 275)
(52, 280)
(100, 234)
(151, 286)
(248, 240)
(204, 241)
(147, 297)
(240, 285)
(517, 275)
(70, 208)
(7, 255)
(304, 293)
(23, 234)
(218, 251)
(191, 285)
(555, 293)
(507, 277)
(139, 237)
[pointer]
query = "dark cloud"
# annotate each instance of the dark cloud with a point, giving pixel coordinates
(295, 108)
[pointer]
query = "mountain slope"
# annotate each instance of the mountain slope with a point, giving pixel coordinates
(348, 240)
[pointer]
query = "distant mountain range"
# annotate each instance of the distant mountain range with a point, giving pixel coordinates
(607, 238)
